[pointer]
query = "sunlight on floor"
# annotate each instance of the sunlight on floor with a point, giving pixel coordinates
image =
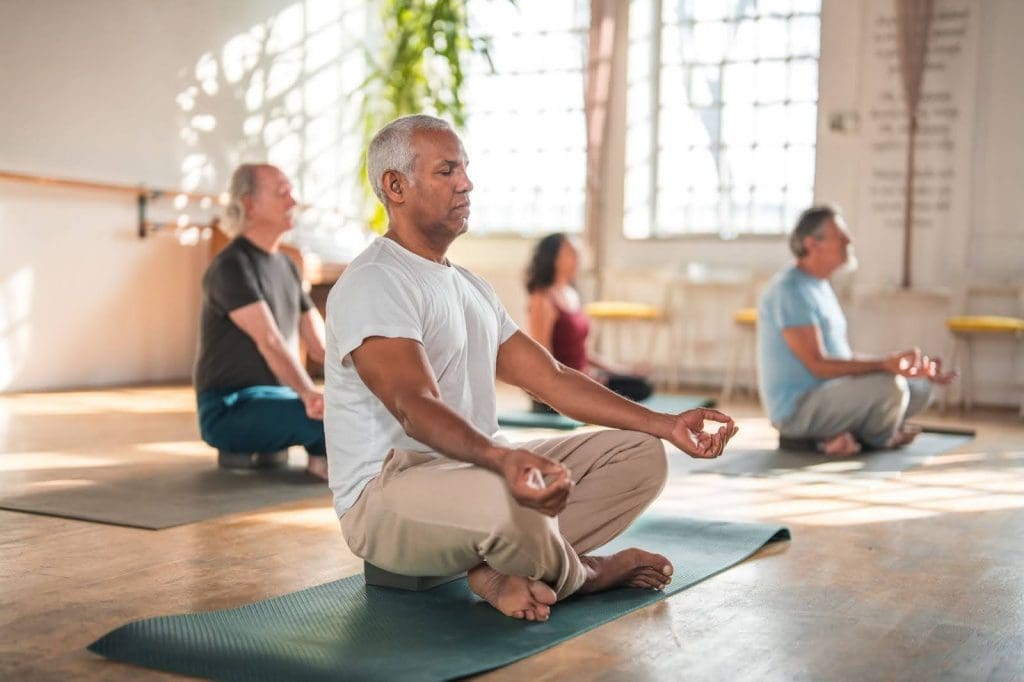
(42, 461)
(184, 448)
(307, 518)
(147, 400)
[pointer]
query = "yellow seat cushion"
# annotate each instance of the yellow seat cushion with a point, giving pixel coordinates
(745, 316)
(621, 310)
(985, 323)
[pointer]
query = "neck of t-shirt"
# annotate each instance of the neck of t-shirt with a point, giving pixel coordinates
(427, 262)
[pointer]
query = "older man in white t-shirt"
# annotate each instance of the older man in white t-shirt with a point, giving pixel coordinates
(422, 482)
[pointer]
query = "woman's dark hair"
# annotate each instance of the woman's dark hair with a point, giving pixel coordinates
(540, 274)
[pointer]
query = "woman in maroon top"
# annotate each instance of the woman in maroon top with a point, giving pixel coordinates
(558, 323)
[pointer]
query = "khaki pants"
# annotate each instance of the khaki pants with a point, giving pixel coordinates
(427, 515)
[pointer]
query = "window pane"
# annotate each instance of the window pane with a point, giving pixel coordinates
(804, 36)
(771, 38)
(705, 85)
(802, 123)
(771, 81)
(800, 169)
(738, 125)
(738, 86)
(803, 80)
(773, 6)
(771, 124)
(525, 131)
(743, 41)
(737, 117)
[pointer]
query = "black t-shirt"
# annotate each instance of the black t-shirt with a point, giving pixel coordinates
(239, 275)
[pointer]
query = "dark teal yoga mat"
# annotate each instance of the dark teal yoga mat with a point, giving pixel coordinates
(660, 402)
(346, 631)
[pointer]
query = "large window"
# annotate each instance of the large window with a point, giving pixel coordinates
(722, 115)
(526, 132)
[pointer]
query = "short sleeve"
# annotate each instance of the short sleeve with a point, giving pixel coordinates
(305, 302)
(506, 326)
(231, 284)
(795, 307)
(372, 301)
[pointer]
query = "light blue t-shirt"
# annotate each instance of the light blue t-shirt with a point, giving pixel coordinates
(794, 299)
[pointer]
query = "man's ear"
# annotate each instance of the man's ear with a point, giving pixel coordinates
(394, 186)
(809, 241)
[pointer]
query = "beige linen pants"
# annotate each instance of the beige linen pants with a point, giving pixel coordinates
(426, 515)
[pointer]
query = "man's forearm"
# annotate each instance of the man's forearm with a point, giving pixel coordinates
(578, 396)
(286, 367)
(427, 419)
(831, 368)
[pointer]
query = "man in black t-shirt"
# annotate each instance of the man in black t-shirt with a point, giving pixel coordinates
(255, 398)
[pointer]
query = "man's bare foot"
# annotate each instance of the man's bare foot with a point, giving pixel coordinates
(904, 435)
(317, 466)
(513, 595)
(842, 445)
(633, 567)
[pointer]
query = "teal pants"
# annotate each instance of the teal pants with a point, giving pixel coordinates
(258, 419)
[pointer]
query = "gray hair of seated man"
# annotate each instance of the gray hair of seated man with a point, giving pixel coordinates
(391, 149)
(811, 224)
(243, 183)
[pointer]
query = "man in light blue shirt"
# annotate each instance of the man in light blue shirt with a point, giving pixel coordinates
(812, 385)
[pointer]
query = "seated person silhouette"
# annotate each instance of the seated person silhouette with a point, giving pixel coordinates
(816, 390)
(255, 398)
(557, 320)
(423, 482)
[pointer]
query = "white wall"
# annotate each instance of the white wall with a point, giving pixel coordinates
(92, 91)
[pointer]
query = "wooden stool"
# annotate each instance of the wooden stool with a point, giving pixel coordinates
(964, 328)
(625, 313)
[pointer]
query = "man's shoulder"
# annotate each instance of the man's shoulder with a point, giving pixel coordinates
(227, 265)
(372, 263)
(793, 278)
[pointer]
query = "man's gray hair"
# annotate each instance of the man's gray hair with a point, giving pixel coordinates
(243, 183)
(391, 149)
(811, 224)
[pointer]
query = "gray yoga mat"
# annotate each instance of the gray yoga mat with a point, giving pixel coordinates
(738, 462)
(344, 630)
(660, 402)
(155, 492)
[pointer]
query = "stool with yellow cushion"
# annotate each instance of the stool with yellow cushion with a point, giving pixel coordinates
(628, 314)
(964, 328)
(744, 341)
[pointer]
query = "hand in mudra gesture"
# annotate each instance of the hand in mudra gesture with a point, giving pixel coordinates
(688, 433)
(537, 482)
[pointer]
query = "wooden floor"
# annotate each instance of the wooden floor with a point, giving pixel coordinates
(917, 576)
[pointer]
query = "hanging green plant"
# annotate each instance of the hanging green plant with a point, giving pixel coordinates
(421, 69)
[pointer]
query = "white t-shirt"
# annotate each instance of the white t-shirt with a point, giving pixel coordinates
(390, 291)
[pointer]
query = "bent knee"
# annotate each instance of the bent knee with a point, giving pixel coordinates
(654, 458)
(525, 543)
(647, 457)
(887, 388)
